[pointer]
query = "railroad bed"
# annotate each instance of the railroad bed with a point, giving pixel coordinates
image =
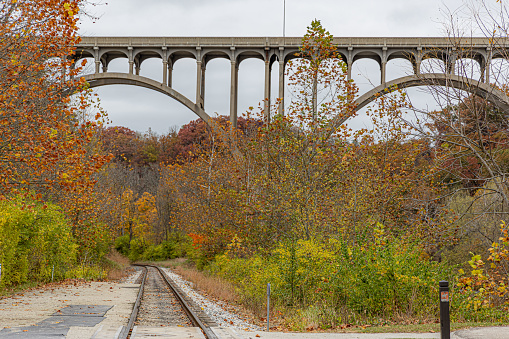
(163, 310)
(79, 309)
(151, 307)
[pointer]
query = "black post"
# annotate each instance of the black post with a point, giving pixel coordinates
(445, 321)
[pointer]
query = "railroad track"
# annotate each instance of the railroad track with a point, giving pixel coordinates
(162, 308)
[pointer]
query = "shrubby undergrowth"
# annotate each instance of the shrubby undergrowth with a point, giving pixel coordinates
(140, 249)
(385, 278)
(34, 238)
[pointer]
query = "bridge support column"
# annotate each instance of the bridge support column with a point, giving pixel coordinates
(383, 66)
(282, 87)
(349, 64)
(200, 84)
(234, 92)
(416, 63)
(451, 62)
(383, 69)
(417, 67)
(97, 60)
(170, 74)
(131, 61)
(105, 68)
(487, 67)
(482, 66)
(268, 70)
(165, 72)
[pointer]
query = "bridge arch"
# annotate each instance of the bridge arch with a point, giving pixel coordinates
(139, 56)
(249, 54)
(485, 91)
(374, 55)
(103, 79)
(214, 54)
(401, 54)
(176, 55)
(108, 57)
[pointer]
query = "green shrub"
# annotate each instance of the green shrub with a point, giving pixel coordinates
(183, 245)
(122, 244)
(389, 277)
(163, 251)
(34, 238)
(379, 277)
(136, 250)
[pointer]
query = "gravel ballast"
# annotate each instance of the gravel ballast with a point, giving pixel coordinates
(213, 309)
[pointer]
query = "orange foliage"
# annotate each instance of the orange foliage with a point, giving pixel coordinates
(198, 240)
(45, 145)
(298, 176)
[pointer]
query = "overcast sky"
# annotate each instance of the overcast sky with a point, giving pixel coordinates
(140, 109)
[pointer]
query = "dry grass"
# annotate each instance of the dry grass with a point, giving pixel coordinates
(210, 285)
(118, 267)
(419, 328)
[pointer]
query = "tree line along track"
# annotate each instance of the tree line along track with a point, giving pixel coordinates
(161, 308)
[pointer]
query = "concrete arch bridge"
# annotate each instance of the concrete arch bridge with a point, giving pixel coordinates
(276, 49)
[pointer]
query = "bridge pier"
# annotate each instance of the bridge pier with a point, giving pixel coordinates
(165, 72)
(97, 60)
(349, 63)
(131, 60)
(170, 74)
(416, 65)
(416, 61)
(200, 84)
(383, 66)
(234, 92)
(268, 70)
(383, 70)
(451, 62)
(281, 59)
(488, 66)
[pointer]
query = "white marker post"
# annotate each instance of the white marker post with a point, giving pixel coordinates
(268, 307)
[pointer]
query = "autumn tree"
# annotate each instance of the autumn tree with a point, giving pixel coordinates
(46, 146)
(299, 176)
(467, 135)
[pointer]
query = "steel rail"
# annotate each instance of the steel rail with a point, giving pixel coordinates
(124, 334)
(185, 306)
(190, 313)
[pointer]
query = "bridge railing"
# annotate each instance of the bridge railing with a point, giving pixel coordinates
(431, 42)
